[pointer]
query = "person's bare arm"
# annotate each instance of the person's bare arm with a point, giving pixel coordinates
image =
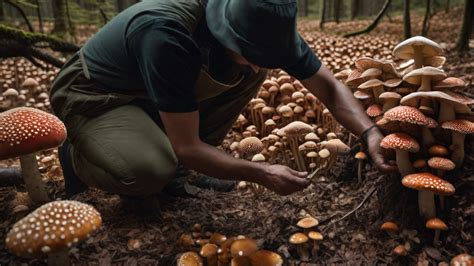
(347, 111)
(183, 132)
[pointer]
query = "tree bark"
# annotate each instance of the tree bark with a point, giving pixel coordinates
(121, 5)
(462, 44)
(303, 8)
(446, 8)
(354, 8)
(40, 18)
(323, 14)
(337, 10)
(424, 29)
(374, 23)
(406, 19)
(22, 13)
(59, 14)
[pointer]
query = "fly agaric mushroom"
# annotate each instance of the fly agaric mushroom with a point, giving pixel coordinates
(265, 258)
(209, 251)
(402, 144)
(459, 130)
(374, 111)
(190, 258)
(417, 48)
(300, 240)
(441, 165)
(437, 225)
(361, 157)
(52, 229)
(241, 249)
(23, 132)
(427, 184)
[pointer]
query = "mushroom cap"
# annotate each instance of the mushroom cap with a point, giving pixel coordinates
(389, 226)
(298, 238)
(400, 250)
(251, 145)
(360, 156)
(365, 63)
(389, 95)
(434, 61)
(374, 110)
(449, 83)
(315, 235)
(436, 224)
(415, 76)
(324, 153)
(400, 141)
(420, 163)
(428, 182)
(462, 259)
(312, 137)
(217, 238)
(337, 146)
(29, 82)
(441, 163)
(407, 114)
(10, 92)
(258, 158)
(459, 125)
(208, 250)
(287, 88)
(27, 130)
(307, 222)
(405, 49)
(459, 102)
(297, 128)
(362, 95)
(190, 258)
(392, 83)
(371, 73)
(344, 74)
(53, 227)
(438, 150)
(265, 258)
(373, 83)
(243, 247)
(354, 79)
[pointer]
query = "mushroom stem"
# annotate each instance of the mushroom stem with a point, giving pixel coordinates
(458, 148)
(359, 170)
(428, 139)
(315, 249)
(436, 238)
(446, 112)
(418, 56)
(31, 175)
(212, 260)
(425, 84)
(59, 258)
(404, 165)
(389, 104)
(302, 250)
(298, 158)
(426, 204)
(377, 91)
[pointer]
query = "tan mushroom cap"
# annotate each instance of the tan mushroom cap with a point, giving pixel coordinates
(312, 154)
(297, 128)
(298, 238)
(441, 163)
(374, 110)
(415, 76)
(10, 92)
(459, 125)
(287, 88)
(286, 111)
(258, 158)
(312, 137)
(463, 259)
(438, 150)
(405, 49)
(217, 238)
(243, 247)
(53, 227)
(420, 163)
(407, 114)
(336, 146)
(190, 258)
(428, 182)
(342, 75)
(370, 84)
(389, 226)
(29, 82)
(434, 61)
(449, 83)
(371, 73)
(307, 222)
(354, 79)
(392, 83)
(265, 258)
(362, 95)
(400, 141)
(400, 250)
(365, 63)
(459, 102)
(313, 235)
(27, 130)
(436, 224)
(208, 250)
(360, 156)
(324, 153)
(251, 145)
(389, 95)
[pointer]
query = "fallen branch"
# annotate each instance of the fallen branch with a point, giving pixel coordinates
(357, 207)
(22, 13)
(11, 48)
(374, 23)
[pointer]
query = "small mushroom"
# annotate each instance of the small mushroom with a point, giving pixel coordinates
(241, 249)
(459, 129)
(209, 251)
(361, 157)
(315, 237)
(402, 144)
(307, 223)
(389, 227)
(265, 258)
(437, 225)
(400, 250)
(300, 240)
(190, 258)
(463, 259)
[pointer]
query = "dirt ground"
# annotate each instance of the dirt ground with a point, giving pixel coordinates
(350, 213)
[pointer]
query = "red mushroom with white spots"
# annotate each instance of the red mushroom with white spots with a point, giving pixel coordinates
(402, 144)
(24, 132)
(459, 129)
(52, 229)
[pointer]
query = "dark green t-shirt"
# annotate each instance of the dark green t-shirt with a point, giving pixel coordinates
(158, 46)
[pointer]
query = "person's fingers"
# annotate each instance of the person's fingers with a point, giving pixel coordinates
(382, 165)
(298, 173)
(300, 182)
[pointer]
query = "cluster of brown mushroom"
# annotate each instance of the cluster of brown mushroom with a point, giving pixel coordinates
(417, 107)
(301, 239)
(217, 249)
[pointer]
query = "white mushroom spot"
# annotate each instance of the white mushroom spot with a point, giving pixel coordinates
(45, 249)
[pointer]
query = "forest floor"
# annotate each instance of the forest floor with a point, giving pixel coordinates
(350, 213)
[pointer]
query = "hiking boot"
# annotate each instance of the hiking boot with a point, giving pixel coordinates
(10, 177)
(147, 206)
(185, 184)
(72, 183)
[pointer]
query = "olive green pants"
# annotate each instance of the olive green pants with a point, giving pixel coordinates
(118, 141)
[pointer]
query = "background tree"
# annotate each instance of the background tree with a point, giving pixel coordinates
(406, 19)
(462, 44)
(374, 23)
(60, 20)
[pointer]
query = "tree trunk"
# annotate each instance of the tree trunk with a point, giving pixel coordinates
(462, 44)
(323, 14)
(60, 20)
(446, 9)
(374, 23)
(121, 5)
(337, 10)
(71, 26)
(354, 8)
(40, 18)
(424, 29)
(2, 14)
(303, 8)
(406, 19)
(22, 13)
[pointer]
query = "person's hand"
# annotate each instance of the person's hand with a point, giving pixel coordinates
(376, 153)
(284, 180)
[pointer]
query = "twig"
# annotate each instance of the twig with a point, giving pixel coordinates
(22, 13)
(357, 207)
